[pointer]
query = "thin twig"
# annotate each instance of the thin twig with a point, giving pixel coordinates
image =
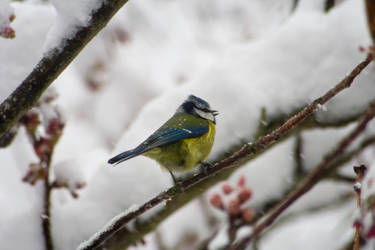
(310, 181)
(329, 4)
(46, 215)
(43, 148)
(360, 172)
(50, 66)
(370, 11)
(329, 174)
(231, 161)
(299, 168)
(345, 158)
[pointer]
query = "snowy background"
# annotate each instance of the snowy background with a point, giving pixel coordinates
(240, 56)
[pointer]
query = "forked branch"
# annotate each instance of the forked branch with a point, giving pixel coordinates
(232, 161)
(313, 178)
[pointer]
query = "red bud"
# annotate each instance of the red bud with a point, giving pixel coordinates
(54, 127)
(358, 224)
(227, 189)
(248, 214)
(371, 232)
(8, 32)
(241, 181)
(244, 195)
(43, 148)
(216, 201)
(12, 17)
(234, 207)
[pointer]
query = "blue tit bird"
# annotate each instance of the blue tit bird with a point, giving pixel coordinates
(181, 143)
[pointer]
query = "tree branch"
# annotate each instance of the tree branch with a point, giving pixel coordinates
(44, 138)
(51, 65)
(330, 174)
(313, 178)
(46, 215)
(190, 188)
(370, 11)
(299, 167)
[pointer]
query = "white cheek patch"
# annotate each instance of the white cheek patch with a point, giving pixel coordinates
(205, 115)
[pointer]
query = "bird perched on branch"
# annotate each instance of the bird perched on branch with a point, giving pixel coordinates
(181, 143)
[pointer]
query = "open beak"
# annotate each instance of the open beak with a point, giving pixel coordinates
(214, 112)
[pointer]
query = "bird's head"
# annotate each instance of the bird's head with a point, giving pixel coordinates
(198, 107)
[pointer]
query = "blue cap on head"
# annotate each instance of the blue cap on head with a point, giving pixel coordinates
(198, 102)
(198, 107)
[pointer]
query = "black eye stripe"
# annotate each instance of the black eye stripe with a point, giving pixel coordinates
(203, 109)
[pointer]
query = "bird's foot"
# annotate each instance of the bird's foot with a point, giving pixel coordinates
(177, 183)
(205, 166)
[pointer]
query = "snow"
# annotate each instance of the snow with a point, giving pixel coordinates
(260, 173)
(77, 170)
(323, 194)
(243, 232)
(71, 15)
(194, 225)
(317, 142)
(31, 24)
(31, 234)
(6, 15)
(329, 229)
(221, 239)
(368, 188)
(240, 56)
(322, 107)
(357, 186)
(108, 226)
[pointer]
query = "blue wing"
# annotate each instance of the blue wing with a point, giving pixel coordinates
(172, 134)
(164, 135)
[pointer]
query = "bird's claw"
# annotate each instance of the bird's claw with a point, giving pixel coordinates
(205, 166)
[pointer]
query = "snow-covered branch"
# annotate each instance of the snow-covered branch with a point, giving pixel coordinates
(52, 64)
(193, 186)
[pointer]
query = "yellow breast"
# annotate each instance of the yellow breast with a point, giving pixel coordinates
(199, 148)
(185, 154)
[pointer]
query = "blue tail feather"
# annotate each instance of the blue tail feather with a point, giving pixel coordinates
(126, 155)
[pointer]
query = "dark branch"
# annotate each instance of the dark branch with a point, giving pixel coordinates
(313, 178)
(370, 11)
(230, 162)
(330, 173)
(50, 67)
(46, 215)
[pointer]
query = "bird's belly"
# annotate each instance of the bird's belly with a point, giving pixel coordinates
(185, 154)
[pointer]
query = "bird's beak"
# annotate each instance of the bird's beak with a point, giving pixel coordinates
(214, 112)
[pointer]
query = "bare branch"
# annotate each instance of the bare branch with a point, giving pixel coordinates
(360, 171)
(50, 67)
(370, 11)
(43, 147)
(188, 186)
(330, 173)
(313, 178)
(299, 167)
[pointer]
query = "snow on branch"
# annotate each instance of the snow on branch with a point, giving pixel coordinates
(52, 64)
(187, 189)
